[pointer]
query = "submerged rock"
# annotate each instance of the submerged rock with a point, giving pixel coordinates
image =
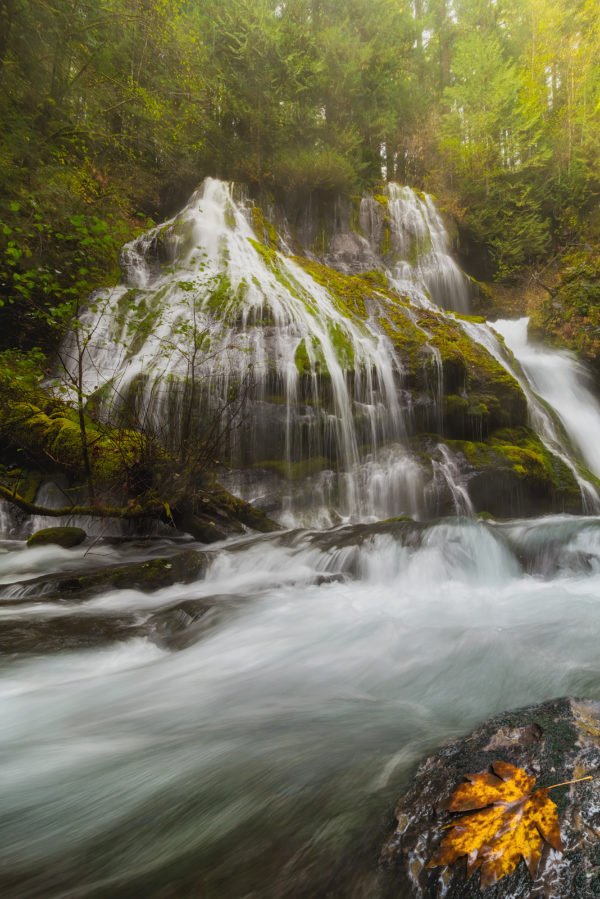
(62, 536)
(154, 574)
(555, 741)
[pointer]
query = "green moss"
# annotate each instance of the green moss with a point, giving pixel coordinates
(477, 409)
(521, 452)
(476, 373)
(264, 229)
(376, 279)
(343, 346)
(384, 246)
(418, 247)
(350, 293)
(229, 215)
(313, 362)
(273, 261)
(409, 340)
(295, 471)
(475, 319)
(22, 481)
(271, 233)
(60, 536)
(477, 453)
(382, 200)
(219, 295)
(302, 360)
(141, 319)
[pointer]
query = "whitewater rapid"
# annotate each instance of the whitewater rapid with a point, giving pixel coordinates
(255, 727)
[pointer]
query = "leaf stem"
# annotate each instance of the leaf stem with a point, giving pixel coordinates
(567, 782)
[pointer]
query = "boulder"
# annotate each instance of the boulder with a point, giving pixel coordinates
(555, 741)
(65, 537)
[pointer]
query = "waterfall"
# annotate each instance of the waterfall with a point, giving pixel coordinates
(205, 300)
(214, 324)
(561, 381)
(543, 416)
(409, 231)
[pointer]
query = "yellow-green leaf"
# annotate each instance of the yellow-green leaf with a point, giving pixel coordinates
(510, 824)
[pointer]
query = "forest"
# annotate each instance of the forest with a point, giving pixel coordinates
(114, 111)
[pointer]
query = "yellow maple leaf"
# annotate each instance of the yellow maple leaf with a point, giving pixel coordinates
(511, 823)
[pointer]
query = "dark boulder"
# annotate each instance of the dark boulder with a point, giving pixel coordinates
(555, 741)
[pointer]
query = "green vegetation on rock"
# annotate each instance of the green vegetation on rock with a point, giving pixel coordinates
(66, 537)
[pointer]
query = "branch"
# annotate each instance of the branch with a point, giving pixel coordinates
(126, 512)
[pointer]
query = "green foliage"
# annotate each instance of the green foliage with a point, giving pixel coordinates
(112, 111)
(569, 316)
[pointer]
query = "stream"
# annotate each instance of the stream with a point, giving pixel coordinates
(248, 734)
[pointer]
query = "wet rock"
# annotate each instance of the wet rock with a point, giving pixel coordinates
(556, 741)
(65, 633)
(62, 536)
(174, 627)
(182, 568)
(150, 575)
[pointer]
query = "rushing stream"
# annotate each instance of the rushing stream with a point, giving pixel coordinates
(246, 735)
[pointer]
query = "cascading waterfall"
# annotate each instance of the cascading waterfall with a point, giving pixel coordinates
(562, 382)
(543, 419)
(325, 388)
(206, 302)
(418, 260)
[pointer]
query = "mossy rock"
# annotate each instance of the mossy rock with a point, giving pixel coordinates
(61, 536)
(513, 473)
(150, 575)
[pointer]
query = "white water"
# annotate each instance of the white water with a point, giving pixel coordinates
(324, 387)
(543, 419)
(204, 273)
(421, 246)
(562, 381)
(323, 437)
(264, 757)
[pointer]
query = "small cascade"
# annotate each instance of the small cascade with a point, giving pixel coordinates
(542, 418)
(561, 381)
(415, 246)
(447, 476)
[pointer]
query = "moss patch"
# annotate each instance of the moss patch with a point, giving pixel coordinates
(61, 536)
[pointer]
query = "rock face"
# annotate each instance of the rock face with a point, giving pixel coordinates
(555, 741)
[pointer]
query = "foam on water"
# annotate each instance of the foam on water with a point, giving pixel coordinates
(297, 719)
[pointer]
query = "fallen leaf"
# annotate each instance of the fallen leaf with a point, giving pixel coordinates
(511, 823)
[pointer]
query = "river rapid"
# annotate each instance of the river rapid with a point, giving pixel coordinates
(248, 734)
